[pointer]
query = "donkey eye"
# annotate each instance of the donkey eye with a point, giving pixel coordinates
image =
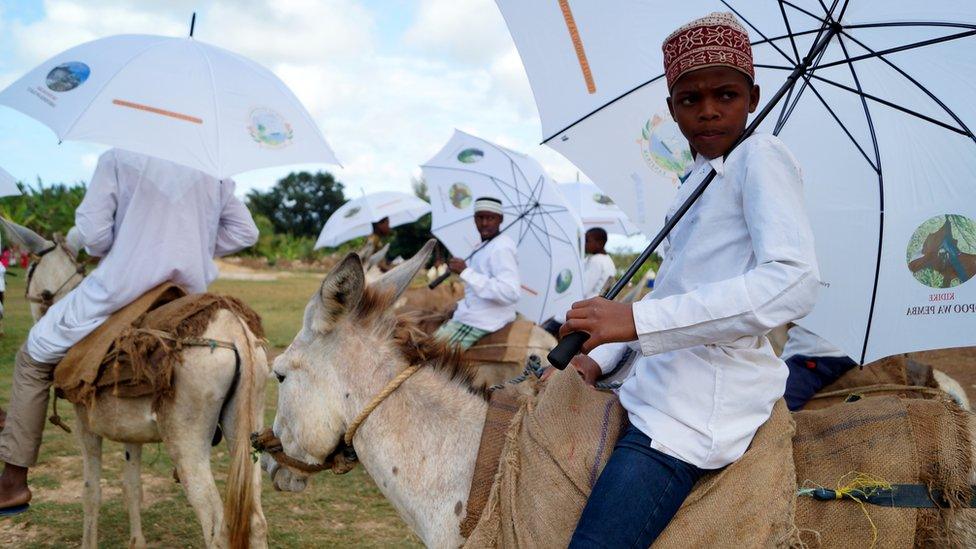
(281, 378)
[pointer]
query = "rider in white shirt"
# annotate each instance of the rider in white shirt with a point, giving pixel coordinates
(150, 221)
(491, 282)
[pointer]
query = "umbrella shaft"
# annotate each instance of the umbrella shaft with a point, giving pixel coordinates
(571, 345)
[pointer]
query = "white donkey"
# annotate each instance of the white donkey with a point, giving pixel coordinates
(185, 424)
(357, 374)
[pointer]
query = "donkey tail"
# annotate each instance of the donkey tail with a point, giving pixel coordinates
(239, 500)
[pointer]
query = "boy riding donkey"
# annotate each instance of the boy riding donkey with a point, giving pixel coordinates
(151, 221)
(739, 263)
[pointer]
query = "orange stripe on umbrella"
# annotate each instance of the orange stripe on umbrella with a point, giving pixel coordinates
(578, 45)
(154, 110)
(530, 290)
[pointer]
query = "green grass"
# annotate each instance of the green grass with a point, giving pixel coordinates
(336, 510)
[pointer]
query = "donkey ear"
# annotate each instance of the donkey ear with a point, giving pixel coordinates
(340, 293)
(376, 258)
(24, 237)
(399, 278)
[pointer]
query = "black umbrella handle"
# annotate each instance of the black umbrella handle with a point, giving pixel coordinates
(571, 345)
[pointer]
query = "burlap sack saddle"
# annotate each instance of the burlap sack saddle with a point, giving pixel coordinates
(540, 457)
(133, 352)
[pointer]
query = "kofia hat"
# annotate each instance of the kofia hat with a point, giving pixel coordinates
(716, 40)
(488, 204)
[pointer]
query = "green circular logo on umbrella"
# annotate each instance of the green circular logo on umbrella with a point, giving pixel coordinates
(460, 195)
(269, 129)
(67, 76)
(942, 251)
(601, 198)
(664, 149)
(470, 156)
(352, 211)
(563, 280)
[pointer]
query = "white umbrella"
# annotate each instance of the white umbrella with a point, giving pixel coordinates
(355, 218)
(173, 98)
(596, 209)
(878, 110)
(8, 185)
(548, 233)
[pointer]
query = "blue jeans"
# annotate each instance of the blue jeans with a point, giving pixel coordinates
(810, 374)
(636, 496)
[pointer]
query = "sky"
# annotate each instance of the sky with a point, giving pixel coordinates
(387, 81)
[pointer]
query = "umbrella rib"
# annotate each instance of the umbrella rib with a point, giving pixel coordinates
(881, 203)
(776, 67)
(919, 85)
(906, 47)
(843, 127)
(789, 29)
(603, 106)
(826, 24)
(911, 24)
(895, 106)
(796, 100)
(843, 9)
(784, 36)
(801, 10)
(565, 239)
(757, 31)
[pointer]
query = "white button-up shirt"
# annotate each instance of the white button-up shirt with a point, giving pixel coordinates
(739, 263)
(597, 269)
(150, 221)
(801, 341)
(491, 285)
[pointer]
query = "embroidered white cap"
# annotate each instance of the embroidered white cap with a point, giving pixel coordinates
(488, 204)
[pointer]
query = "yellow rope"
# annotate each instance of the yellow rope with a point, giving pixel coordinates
(379, 398)
(860, 486)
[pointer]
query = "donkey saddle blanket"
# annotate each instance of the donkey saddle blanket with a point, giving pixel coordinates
(556, 447)
(507, 345)
(557, 443)
(133, 352)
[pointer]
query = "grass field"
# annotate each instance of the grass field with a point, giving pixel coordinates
(344, 510)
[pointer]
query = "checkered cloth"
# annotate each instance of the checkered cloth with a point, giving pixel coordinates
(460, 334)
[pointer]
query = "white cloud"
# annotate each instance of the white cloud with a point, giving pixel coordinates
(470, 31)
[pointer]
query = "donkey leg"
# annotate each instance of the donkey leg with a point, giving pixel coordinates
(192, 458)
(91, 453)
(132, 482)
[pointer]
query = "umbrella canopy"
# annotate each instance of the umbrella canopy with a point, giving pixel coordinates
(547, 232)
(880, 120)
(355, 218)
(173, 98)
(8, 185)
(596, 209)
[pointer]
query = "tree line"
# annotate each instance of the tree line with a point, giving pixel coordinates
(289, 215)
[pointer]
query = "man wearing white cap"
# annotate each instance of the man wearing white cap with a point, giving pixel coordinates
(492, 286)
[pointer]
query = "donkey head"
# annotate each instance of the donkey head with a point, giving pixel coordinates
(55, 271)
(325, 373)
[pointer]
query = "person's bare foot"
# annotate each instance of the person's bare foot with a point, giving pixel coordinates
(14, 491)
